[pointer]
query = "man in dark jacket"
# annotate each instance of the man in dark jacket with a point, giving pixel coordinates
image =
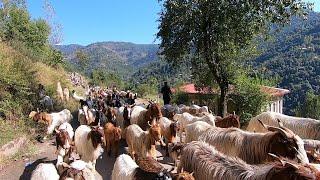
(166, 93)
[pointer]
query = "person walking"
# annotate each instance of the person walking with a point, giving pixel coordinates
(166, 93)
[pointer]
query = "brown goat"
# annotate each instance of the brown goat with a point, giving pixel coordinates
(153, 112)
(112, 137)
(231, 120)
(207, 163)
(143, 142)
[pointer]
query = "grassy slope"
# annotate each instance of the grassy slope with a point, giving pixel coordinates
(25, 75)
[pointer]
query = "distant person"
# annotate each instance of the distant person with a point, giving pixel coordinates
(166, 93)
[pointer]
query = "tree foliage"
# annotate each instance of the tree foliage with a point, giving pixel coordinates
(102, 78)
(310, 108)
(215, 32)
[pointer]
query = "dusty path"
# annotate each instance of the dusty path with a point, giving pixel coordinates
(19, 170)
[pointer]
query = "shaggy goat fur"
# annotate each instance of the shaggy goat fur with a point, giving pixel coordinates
(125, 168)
(88, 143)
(207, 163)
(45, 171)
(143, 142)
(186, 118)
(254, 147)
(306, 128)
(195, 130)
(112, 137)
(53, 120)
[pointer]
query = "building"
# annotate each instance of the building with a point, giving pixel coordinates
(203, 96)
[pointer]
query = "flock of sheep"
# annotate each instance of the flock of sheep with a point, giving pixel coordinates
(273, 146)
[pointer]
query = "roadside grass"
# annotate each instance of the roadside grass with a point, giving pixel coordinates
(10, 130)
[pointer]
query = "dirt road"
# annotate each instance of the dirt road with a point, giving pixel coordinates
(22, 169)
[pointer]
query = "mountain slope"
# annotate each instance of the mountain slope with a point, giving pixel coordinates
(116, 57)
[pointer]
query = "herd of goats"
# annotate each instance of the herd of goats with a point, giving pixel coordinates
(203, 146)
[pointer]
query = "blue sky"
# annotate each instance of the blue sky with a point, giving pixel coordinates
(84, 22)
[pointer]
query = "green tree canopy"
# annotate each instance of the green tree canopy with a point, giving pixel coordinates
(215, 32)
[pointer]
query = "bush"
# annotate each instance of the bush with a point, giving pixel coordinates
(180, 98)
(248, 98)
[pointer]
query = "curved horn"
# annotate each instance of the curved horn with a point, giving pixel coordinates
(234, 113)
(149, 123)
(284, 128)
(277, 158)
(273, 129)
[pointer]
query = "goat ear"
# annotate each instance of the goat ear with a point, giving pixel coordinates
(182, 170)
(191, 174)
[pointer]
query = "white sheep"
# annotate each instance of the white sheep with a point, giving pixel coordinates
(306, 128)
(88, 143)
(186, 118)
(195, 130)
(45, 171)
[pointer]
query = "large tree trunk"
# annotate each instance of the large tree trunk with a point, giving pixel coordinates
(222, 102)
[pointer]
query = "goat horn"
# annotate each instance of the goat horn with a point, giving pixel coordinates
(273, 129)
(234, 113)
(38, 110)
(277, 158)
(284, 128)
(149, 123)
(292, 165)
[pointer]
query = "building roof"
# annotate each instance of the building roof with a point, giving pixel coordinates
(192, 89)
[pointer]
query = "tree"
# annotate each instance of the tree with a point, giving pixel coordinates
(83, 59)
(215, 32)
(310, 108)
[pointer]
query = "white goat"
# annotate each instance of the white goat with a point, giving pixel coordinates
(59, 91)
(88, 143)
(195, 130)
(186, 118)
(45, 172)
(124, 168)
(306, 128)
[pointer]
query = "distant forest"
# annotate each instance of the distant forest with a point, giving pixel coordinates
(291, 54)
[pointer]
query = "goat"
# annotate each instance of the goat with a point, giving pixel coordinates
(254, 147)
(207, 163)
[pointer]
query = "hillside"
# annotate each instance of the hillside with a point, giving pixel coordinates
(119, 57)
(293, 55)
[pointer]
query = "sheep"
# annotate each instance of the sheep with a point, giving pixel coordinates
(53, 120)
(45, 171)
(125, 168)
(194, 130)
(254, 147)
(88, 143)
(168, 130)
(66, 94)
(59, 91)
(185, 118)
(306, 128)
(143, 142)
(112, 138)
(207, 163)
